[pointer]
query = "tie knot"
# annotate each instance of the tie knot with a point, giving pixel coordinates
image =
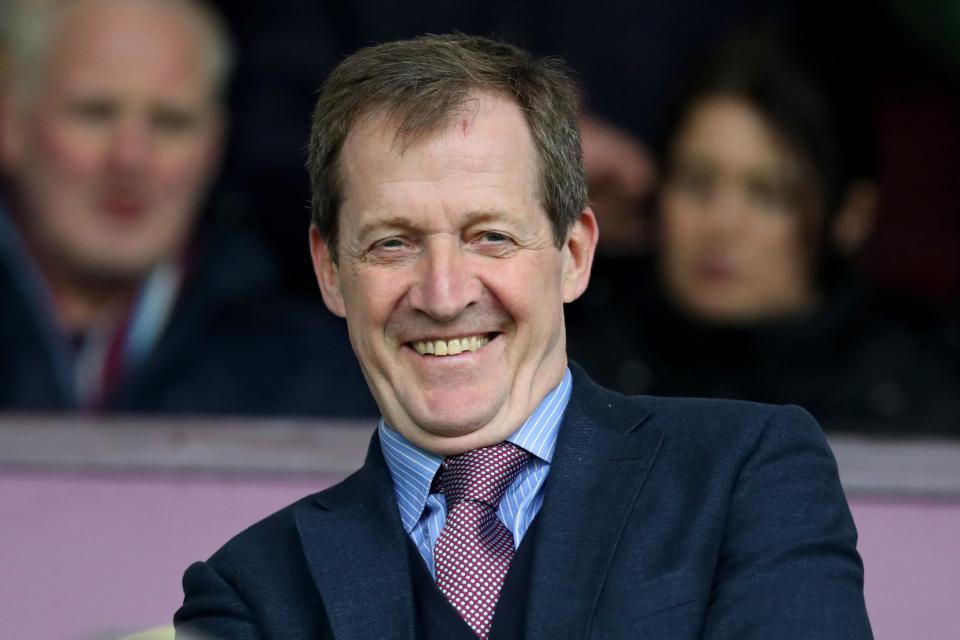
(481, 475)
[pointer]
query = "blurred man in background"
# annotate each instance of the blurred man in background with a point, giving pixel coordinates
(112, 127)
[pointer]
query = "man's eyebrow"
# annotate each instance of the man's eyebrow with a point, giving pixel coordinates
(486, 215)
(392, 222)
(479, 216)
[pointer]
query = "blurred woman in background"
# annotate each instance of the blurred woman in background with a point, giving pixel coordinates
(766, 199)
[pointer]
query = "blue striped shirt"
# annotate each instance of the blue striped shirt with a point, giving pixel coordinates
(423, 513)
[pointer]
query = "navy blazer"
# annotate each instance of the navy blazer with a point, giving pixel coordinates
(662, 518)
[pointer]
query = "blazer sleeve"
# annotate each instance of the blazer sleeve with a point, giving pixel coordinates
(212, 609)
(788, 565)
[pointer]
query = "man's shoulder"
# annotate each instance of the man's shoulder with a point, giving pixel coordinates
(720, 413)
(272, 533)
(698, 423)
(720, 426)
(278, 533)
(695, 417)
(260, 574)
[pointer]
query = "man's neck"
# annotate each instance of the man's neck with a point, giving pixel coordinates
(79, 308)
(81, 304)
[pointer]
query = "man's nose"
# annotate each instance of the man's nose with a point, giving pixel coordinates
(446, 282)
(130, 146)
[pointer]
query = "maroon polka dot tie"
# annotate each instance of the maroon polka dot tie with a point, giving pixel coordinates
(474, 550)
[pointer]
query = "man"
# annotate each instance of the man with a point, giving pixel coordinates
(504, 494)
(112, 126)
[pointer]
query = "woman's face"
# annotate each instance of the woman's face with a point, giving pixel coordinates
(733, 210)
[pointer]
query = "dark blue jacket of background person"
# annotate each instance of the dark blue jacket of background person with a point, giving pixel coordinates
(234, 344)
(662, 519)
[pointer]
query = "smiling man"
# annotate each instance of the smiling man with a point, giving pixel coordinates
(449, 274)
(504, 494)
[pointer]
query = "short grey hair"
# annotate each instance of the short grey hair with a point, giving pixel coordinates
(27, 27)
(420, 84)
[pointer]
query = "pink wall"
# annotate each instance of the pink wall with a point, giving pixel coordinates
(911, 555)
(85, 556)
(92, 555)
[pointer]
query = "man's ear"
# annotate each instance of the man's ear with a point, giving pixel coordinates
(328, 276)
(11, 131)
(216, 143)
(577, 255)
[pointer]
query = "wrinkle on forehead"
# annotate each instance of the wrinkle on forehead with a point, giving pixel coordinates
(396, 127)
(379, 130)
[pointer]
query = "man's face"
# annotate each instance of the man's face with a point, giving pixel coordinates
(732, 213)
(114, 148)
(445, 248)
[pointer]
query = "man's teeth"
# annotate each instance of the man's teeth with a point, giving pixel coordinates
(450, 347)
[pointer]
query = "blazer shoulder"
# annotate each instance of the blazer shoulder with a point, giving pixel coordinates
(734, 425)
(721, 411)
(265, 535)
(697, 418)
(262, 535)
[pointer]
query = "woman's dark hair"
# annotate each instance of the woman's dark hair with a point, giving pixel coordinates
(818, 118)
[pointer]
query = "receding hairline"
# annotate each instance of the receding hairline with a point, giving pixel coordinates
(35, 27)
(394, 120)
(387, 120)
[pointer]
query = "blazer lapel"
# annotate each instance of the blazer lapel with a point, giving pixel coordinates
(356, 549)
(602, 458)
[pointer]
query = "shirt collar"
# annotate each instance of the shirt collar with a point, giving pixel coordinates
(413, 469)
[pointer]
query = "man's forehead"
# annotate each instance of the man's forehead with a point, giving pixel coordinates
(477, 164)
(108, 41)
(401, 127)
(485, 135)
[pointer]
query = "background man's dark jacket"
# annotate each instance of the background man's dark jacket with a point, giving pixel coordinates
(234, 344)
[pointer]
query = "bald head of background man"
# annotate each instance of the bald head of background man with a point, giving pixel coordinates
(111, 131)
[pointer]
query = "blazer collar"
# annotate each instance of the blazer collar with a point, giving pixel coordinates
(356, 547)
(604, 453)
(357, 552)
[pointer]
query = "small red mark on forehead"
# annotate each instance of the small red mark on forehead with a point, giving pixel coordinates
(465, 125)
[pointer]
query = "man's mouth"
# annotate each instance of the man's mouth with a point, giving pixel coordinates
(127, 208)
(451, 347)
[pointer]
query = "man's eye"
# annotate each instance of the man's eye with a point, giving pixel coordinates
(389, 247)
(93, 110)
(493, 237)
(391, 243)
(494, 243)
(173, 121)
(389, 251)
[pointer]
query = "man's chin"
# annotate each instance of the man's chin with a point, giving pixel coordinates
(450, 433)
(113, 274)
(453, 444)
